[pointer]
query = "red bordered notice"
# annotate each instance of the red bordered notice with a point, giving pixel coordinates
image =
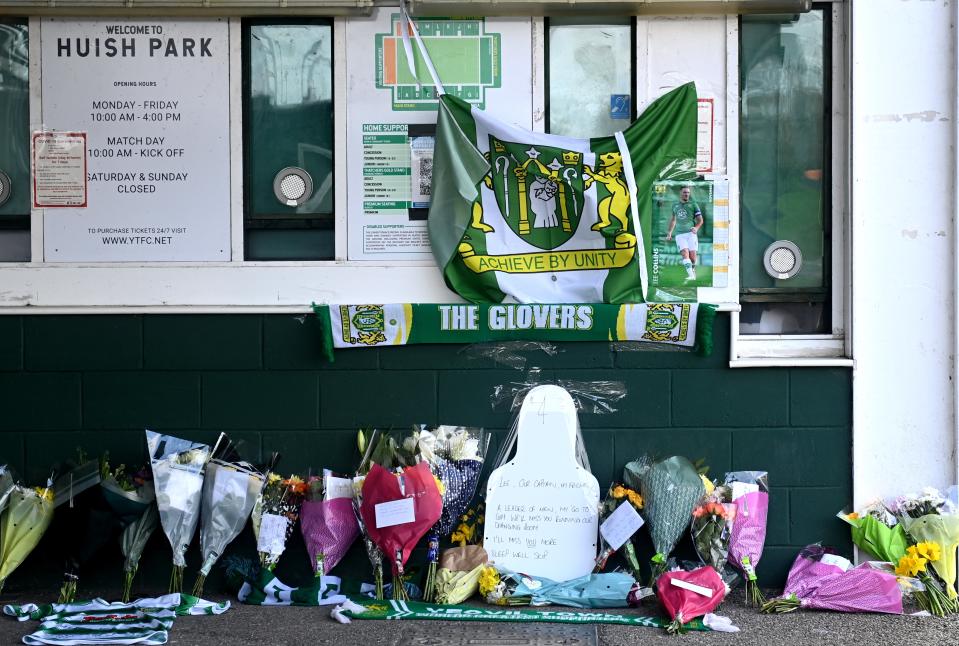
(59, 169)
(704, 137)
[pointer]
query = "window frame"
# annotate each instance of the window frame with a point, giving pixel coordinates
(834, 348)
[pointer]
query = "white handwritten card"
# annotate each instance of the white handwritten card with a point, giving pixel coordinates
(620, 526)
(395, 512)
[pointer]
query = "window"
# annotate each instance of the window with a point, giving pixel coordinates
(792, 201)
(586, 99)
(14, 148)
(289, 141)
(785, 175)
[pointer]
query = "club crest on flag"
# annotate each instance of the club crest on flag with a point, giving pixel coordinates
(539, 190)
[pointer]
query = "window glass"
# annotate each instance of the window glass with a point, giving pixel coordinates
(590, 77)
(289, 125)
(15, 142)
(784, 173)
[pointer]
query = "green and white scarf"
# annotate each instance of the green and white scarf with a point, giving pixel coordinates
(267, 590)
(144, 621)
(686, 325)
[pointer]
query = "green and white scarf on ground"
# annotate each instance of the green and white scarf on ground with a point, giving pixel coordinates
(687, 325)
(364, 608)
(144, 621)
(546, 219)
(267, 590)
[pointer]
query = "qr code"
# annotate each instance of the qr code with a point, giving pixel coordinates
(426, 175)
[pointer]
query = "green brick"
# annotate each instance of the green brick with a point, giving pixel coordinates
(11, 342)
(820, 397)
(756, 397)
(647, 355)
(464, 396)
(302, 451)
(259, 400)
(444, 356)
(358, 399)
(774, 565)
(207, 342)
(39, 401)
(777, 523)
(89, 342)
(812, 517)
(46, 450)
(796, 457)
(295, 342)
(154, 400)
(711, 445)
(646, 401)
(602, 461)
(585, 354)
(12, 452)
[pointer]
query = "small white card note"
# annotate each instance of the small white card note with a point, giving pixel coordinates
(740, 489)
(272, 537)
(692, 587)
(395, 512)
(621, 525)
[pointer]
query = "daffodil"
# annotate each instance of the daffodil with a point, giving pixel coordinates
(708, 484)
(910, 565)
(488, 580)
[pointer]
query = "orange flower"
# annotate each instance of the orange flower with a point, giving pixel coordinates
(295, 484)
(619, 491)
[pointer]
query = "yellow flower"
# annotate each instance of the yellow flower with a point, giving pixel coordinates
(635, 498)
(619, 491)
(45, 493)
(930, 551)
(853, 516)
(274, 478)
(708, 484)
(910, 565)
(489, 579)
(440, 485)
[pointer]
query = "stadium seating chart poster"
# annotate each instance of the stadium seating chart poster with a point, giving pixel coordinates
(690, 238)
(391, 121)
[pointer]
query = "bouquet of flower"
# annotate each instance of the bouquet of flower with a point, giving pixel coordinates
(876, 530)
(617, 496)
(688, 595)
(274, 517)
(327, 520)
(927, 518)
(398, 509)
(230, 490)
(458, 576)
(670, 489)
(131, 497)
(22, 524)
(821, 580)
(178, 467)
(455, 456)
(750, 494)
(711, 527)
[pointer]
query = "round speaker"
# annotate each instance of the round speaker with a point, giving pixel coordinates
(6, 187)
(292, 186)
(782, 259)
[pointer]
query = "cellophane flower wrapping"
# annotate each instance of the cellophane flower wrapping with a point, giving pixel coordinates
(682, 604)
(22, 524)
(616, 496)
(133, 540)
(178, 466)
(878, 532)
(823, 581)
(328, 523)
(6, 486)
(670, 489)
(382, 487)
(603, 590)
(928, 518)
(455, 456)
(750, 494)
(711, 528)
(229, 492)
(274, 516)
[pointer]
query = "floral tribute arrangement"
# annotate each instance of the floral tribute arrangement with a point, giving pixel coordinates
(25, 518)
(327, 520)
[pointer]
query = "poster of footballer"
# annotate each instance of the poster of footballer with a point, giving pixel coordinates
(684, 249)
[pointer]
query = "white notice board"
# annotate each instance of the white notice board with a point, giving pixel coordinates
(153, 97)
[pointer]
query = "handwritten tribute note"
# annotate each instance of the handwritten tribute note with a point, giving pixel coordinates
(542, 506)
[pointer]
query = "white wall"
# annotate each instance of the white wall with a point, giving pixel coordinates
(904, 290)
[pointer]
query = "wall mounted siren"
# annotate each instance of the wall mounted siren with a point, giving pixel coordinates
(292, 186)
(6, 187)
(782, 259)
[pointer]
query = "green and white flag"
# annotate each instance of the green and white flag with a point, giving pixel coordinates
(364, 608)
(549, 219)
(687, 325)
(144, 621)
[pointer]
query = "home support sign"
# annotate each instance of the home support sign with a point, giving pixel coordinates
(541, 507)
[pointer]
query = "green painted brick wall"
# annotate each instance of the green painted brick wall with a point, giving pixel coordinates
(98, 381)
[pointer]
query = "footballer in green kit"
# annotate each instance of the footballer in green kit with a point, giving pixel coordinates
(686, 221)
